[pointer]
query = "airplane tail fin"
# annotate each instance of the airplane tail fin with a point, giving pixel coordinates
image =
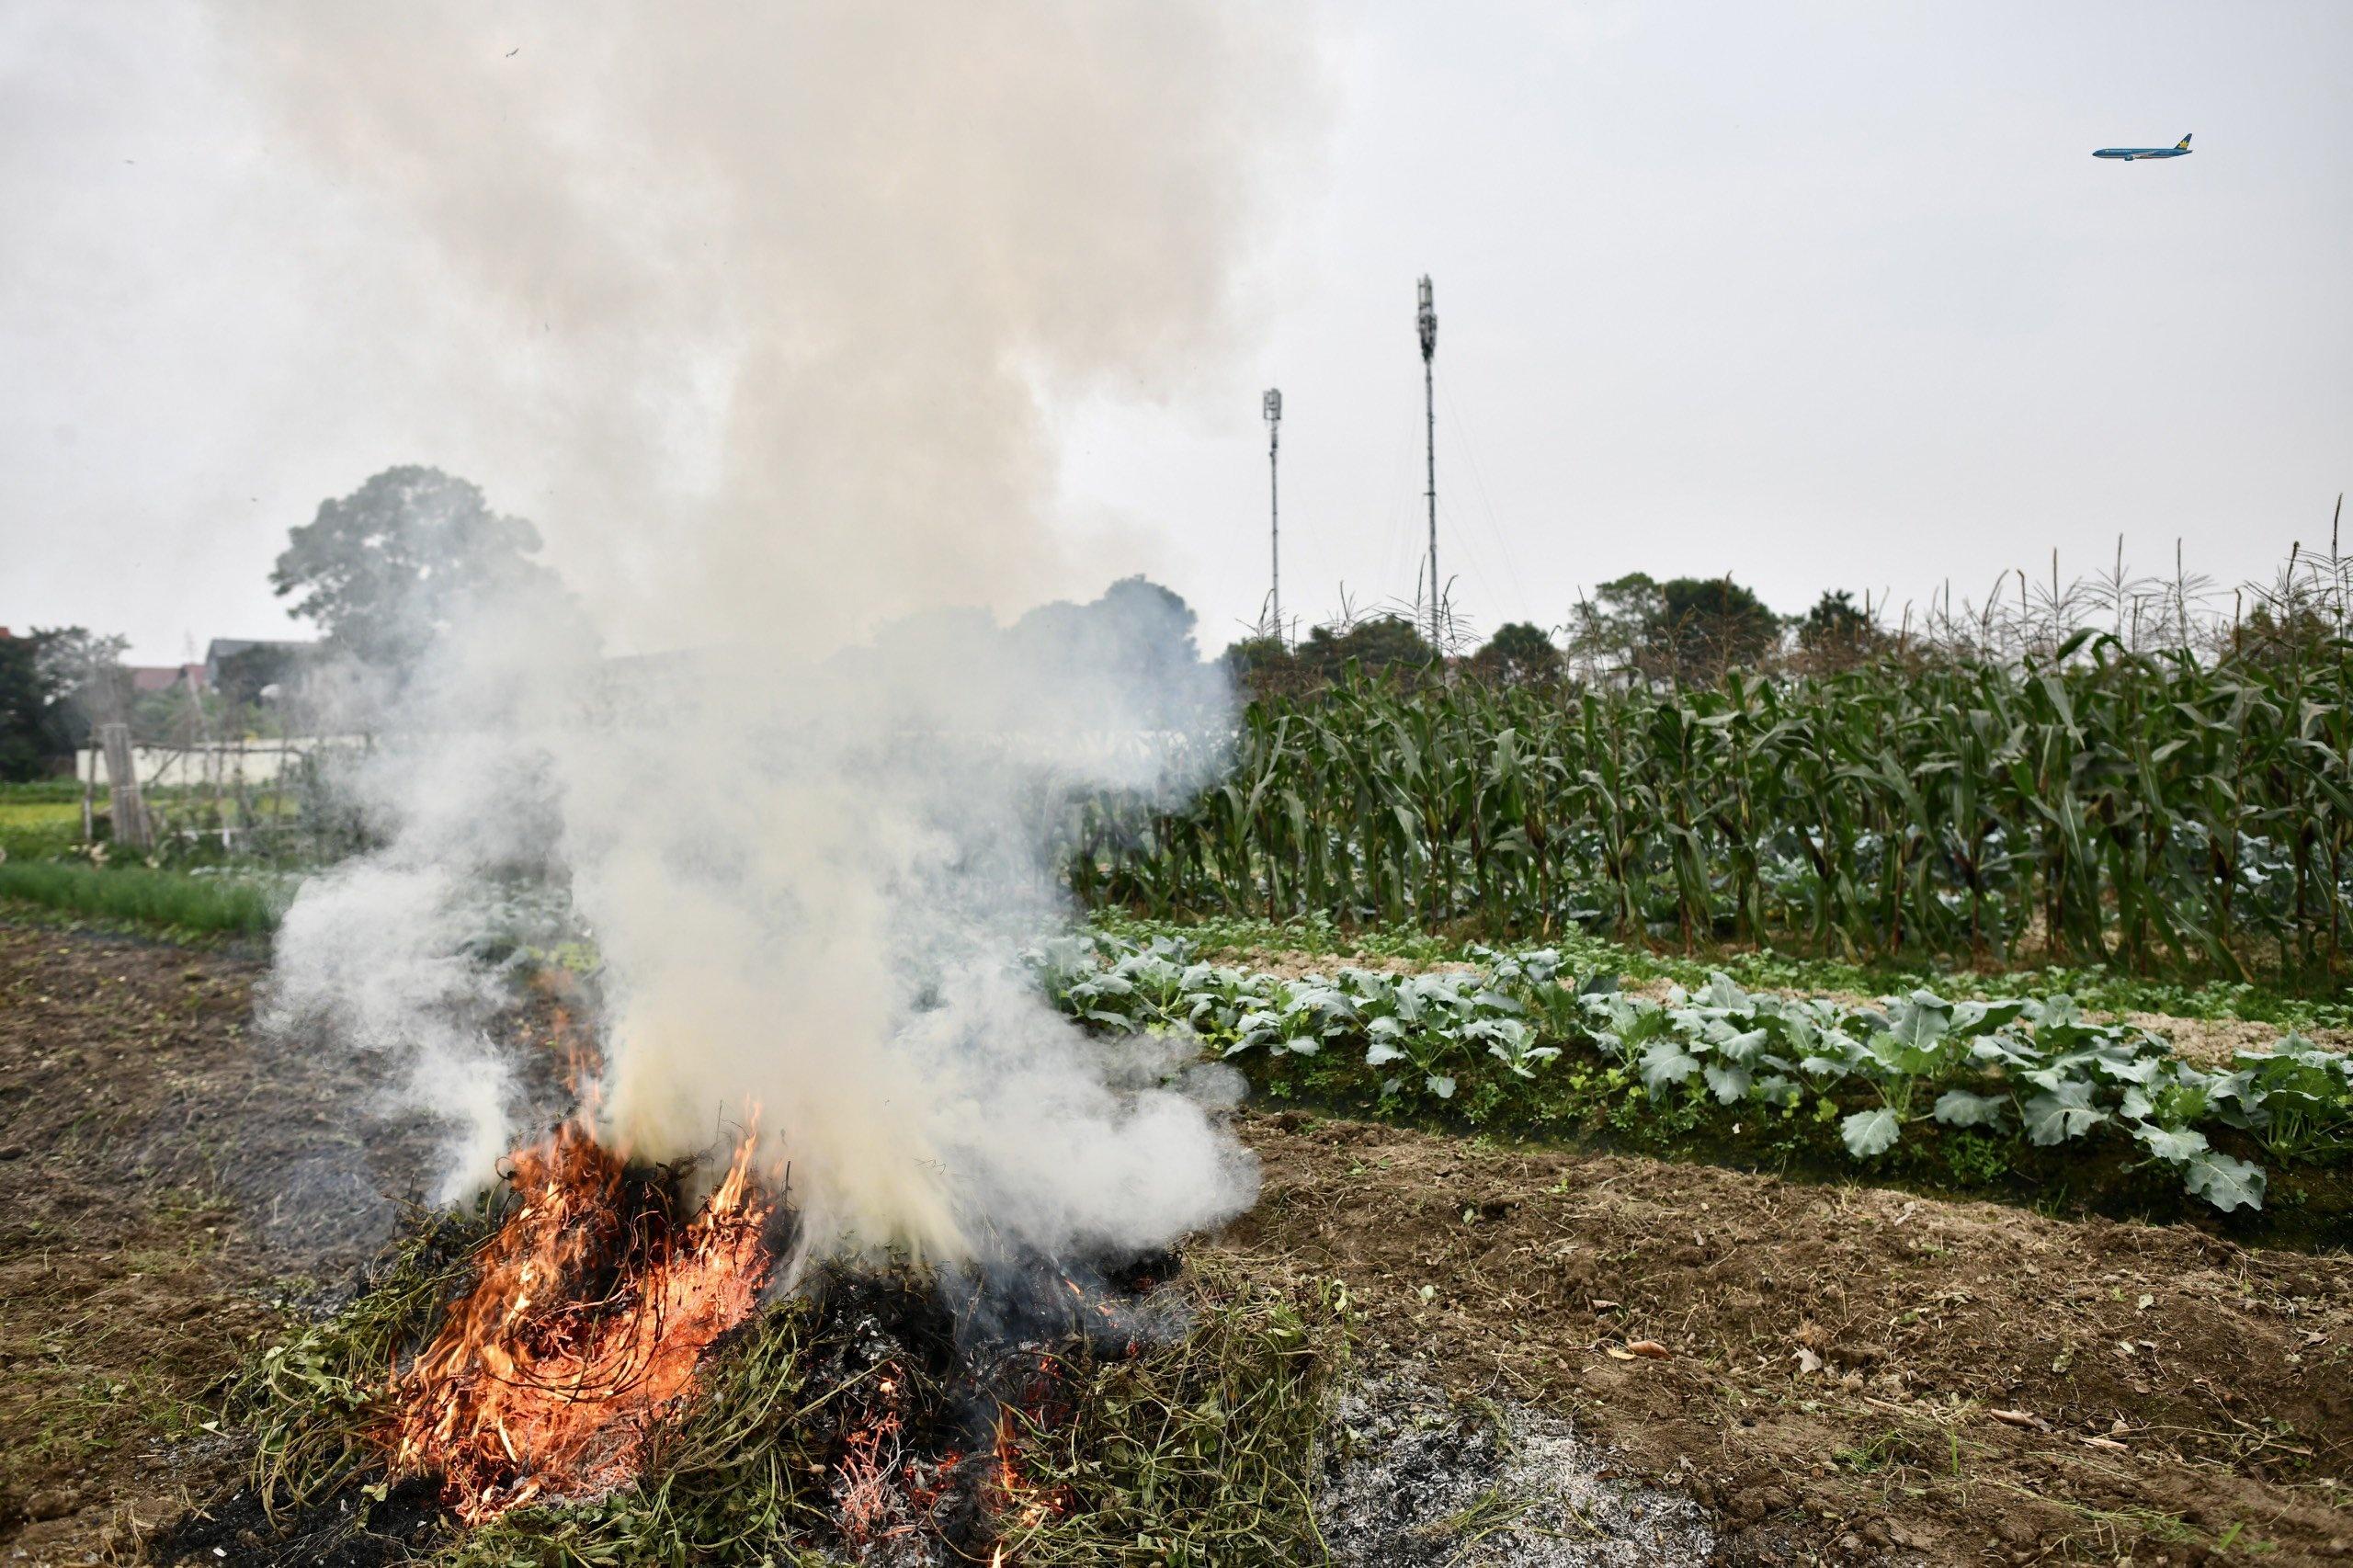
(2182, 145)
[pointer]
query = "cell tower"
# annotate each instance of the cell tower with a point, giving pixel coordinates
(1426, 319)
(1273, 408)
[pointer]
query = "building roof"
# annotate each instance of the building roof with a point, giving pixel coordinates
(163, 677)
(222, 648)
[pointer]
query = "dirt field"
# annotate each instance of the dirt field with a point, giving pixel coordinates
(1837, 1373)
(1834, 1357)
(169, 1180)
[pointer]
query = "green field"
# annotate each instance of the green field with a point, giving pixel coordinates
(37, 826)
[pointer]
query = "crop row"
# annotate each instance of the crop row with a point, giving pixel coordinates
(2103, 806)
(2036, 1070)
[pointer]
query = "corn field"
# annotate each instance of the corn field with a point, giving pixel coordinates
(2158, 811)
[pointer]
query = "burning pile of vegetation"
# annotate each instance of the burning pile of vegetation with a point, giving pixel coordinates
(592, 1304)
(583, 1370)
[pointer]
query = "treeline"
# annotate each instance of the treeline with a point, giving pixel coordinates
(2165, 810)
(1687, 627)
(1700, 630)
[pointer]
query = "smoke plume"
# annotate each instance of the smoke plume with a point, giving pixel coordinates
(791, 288)
(767, 301)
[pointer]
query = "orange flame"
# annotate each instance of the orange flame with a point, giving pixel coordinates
(863, 1475)
(1014, 1495)
(534, 1390)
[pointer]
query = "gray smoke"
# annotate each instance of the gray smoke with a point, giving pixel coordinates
(805, 277)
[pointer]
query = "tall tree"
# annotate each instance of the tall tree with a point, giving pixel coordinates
(54, 684)
(1519, 653)
(85, 671)
(1135, 617)
(1837, 630)
(1612, 629)
(1684, 628)
(1708, 625)
(387, 569)
(32, 727)
(246, 676)
(1388, 644)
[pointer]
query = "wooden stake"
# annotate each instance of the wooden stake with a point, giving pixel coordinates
(131, 825)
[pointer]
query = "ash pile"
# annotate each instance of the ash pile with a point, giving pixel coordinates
(1417, 1478)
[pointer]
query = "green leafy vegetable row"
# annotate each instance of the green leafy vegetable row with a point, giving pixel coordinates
(2102, 988)
(2036, 1068)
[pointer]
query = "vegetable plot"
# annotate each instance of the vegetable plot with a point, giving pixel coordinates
(2035, 1070)
(2019, 1066)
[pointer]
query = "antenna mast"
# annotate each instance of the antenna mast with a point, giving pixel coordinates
(1426, 319)
(1273, 408)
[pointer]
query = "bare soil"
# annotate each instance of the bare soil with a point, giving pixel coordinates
(171, 1181)
(1825, 1367)
(1286, 965)
(129, 1283)
(1822, 1366)
(2211, 1042)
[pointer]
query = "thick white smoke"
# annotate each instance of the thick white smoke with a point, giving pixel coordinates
(802, 276)
(762, 304)
(827, 930)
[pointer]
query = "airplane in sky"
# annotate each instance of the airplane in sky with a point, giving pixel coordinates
(2132, 154)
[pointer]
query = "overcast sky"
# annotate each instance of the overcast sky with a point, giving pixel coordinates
(1823, 295)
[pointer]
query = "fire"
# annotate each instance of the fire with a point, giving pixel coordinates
(1012, 1494)
(863, 1475)
(581, 1333)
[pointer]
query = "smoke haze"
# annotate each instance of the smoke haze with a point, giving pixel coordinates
(798, 277)
(793, 276)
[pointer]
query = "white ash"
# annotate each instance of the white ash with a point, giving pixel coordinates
(1416, 1477)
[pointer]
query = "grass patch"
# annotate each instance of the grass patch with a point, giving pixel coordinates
(311, 1399)
(33, 791)
(20, 815)
(37, 829)
(1198, 1451)
(181, 901)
